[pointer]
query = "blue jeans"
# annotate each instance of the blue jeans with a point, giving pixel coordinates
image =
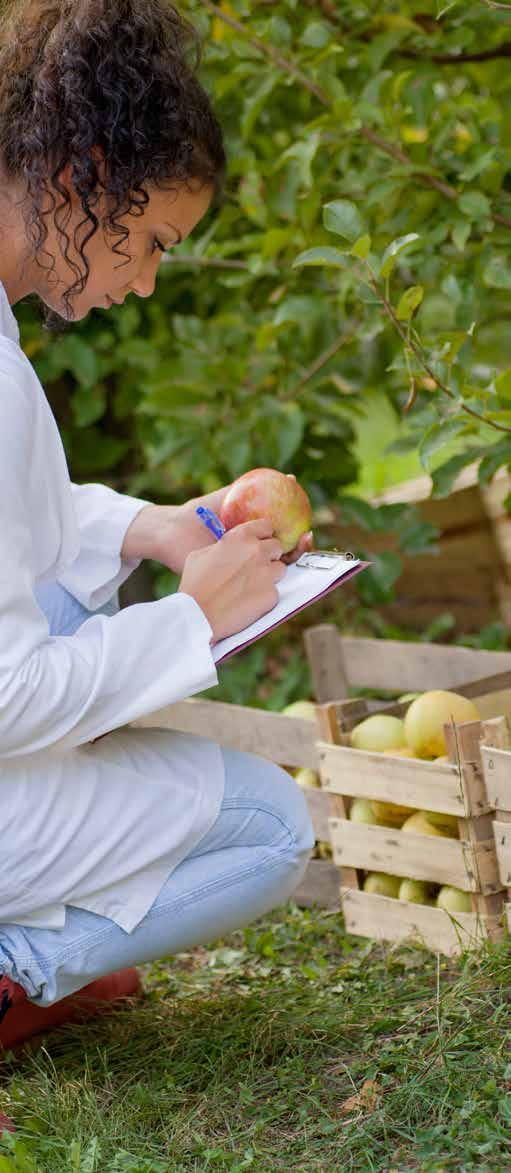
(250, 861)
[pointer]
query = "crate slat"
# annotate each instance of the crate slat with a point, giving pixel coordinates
(288, 741)
(384, 919)
(418, 857)
(502, 832)
(497, 774)
(405, 666)
(406, 781)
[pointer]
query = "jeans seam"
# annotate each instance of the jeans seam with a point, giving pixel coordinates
(272, 861)
(246, 804)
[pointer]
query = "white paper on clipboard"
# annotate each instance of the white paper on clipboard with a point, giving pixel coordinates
(300, 586)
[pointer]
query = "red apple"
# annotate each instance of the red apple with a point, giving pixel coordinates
(265, 492)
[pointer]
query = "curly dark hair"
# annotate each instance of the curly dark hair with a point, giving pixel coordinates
(118, 75)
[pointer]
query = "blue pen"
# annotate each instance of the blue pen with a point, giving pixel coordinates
(211, 521)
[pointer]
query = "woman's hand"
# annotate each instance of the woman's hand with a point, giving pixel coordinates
(234, 580)
(177, 531)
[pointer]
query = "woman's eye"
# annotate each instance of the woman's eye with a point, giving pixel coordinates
(157, 244)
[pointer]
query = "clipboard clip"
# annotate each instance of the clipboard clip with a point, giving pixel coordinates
(324, 559)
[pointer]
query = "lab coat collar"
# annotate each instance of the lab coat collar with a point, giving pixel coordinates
(8, 323)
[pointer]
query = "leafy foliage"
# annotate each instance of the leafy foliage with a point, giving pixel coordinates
(363, 243)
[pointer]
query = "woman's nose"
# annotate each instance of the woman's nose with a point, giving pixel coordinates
(144, 283)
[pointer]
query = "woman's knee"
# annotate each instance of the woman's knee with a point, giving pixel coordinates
(254, 779)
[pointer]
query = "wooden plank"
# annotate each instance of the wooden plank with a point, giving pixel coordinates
(289, 741)
(330, 718)
(494, 704)
(502, 832)
(419, 857)
(324, 653)
(383, 919)
(406, 781)
(497, 776)
(318, 804)
(404, 666)
(321, 885)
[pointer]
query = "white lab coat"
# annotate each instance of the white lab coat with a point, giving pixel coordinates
(100, 826)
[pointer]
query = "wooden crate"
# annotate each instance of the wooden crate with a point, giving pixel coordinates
(470, 576)
(339, 663)
(495, 752)
(469, 863)
(288, 741)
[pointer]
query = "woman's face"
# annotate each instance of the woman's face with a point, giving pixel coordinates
(168, 217)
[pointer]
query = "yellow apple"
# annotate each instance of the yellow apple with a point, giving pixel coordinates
(454, 900)
(391, 813)
(306, 776)
(378, 733)
(381, 884)
(449, 823)
(419, 824)
(425, 719)
(361, 811)
(415, 891)
(306, 710)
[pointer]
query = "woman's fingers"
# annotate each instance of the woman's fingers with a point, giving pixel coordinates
(304, 544)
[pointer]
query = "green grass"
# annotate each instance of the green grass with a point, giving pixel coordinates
(243, 1056)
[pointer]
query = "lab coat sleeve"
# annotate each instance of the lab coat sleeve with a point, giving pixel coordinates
(63, 691)
(103, 517)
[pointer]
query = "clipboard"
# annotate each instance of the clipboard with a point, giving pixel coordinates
(311, 578)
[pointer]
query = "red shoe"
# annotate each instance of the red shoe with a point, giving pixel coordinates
(21, 1019)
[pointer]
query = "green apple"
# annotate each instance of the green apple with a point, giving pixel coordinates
(381, 884)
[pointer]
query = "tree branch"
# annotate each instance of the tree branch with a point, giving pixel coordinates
(204, 262)
(503, 50)
(322, 359)
(409, 342)
(269, 51)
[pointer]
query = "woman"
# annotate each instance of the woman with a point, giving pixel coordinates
(119, 844)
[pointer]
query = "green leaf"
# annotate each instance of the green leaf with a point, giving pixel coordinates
(498, 455)
(475, 205)
(437, 436)
(393, 251)
(73, 354)
(321, 256)
(445, 475)
(497, 273)
(408, 302)
(88, 405)
(376, 584)
(343, 218)
(503, 385)
(316, 35)
(361, 247)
